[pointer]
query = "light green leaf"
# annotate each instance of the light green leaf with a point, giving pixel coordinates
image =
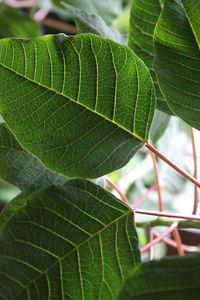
(172, 278)
(89, 23)
(177, 61)
(143, 19)
(159, 125)
(73, 242)
(21, 168)
(81, 104)
(15, 24)
(107, 10)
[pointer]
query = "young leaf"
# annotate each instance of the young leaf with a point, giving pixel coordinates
(20, 167)
(143, 19)
(177, 60)
(72, 242)
(89, 23)
(81, 104)
(172, 278)
(15, 24)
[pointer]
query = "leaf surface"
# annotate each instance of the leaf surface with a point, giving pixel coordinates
(20, 167)
(72, 242)
(174, 278)
(143, 18)
(177, 59)
(81, 104)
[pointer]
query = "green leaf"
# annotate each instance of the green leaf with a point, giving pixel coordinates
(21, 168)
(89, 23)
(72, 242)
(177, 60)
(143, 19)
(172, 278)
(107, 10)
(15, 24)
(158, 126)
(81, 104)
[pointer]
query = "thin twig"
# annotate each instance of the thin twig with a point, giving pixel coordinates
(164, 222)
(114, 186)
(173, 244)
(159, 238)
(157, 182)
(196, 195)
(167, 215)
(143, 197)
(177, 238)
(172, 165)
(61, 26)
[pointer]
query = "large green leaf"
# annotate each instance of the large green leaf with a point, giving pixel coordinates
(177, 60)
(168, 279)
(72, 242)
(159, 125)
(108, 10)
(21, 168)
(15, 24)
(143, 18)
(81, 104)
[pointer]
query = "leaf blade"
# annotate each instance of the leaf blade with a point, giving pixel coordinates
(87, 92)
(78, 248)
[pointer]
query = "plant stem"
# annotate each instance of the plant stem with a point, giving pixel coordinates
(157, 182)
(173, 244)
(172, 165)
(196, 198)
(142, 198)
(177, 238)
(61, 26)
(163, 222)
(115, 187)
(159, 238)
(167, 215)
(20, 4)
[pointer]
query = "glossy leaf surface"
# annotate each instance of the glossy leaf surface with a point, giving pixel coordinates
(81, 104)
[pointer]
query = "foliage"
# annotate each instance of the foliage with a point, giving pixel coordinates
(80, 106)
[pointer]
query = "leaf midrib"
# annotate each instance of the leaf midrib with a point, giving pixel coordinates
(73, 250)
(133, 134)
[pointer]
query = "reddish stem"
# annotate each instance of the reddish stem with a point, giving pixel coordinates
(143, 197)
(196, 198)
(61, 26)
(172, 165)
(177, 238)
(174, 244)
(159, 238)
(167, 215)
(114, 186)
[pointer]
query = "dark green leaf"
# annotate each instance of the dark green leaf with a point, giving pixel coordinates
(21, 168)
(72, 242)
(81, 104)
(15, 24)
(143, 19)
(177, 60)
(168, 279)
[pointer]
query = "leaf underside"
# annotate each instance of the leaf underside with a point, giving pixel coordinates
(20, 167)
(177, 59)
(72, 242)
(81, 104)
(143, 18)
